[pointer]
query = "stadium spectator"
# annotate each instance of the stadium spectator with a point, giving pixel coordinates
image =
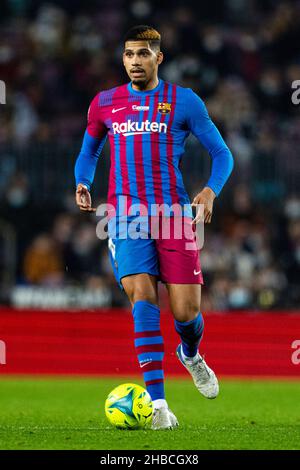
(43, 264)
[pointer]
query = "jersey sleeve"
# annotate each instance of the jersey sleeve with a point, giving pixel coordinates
(197, 117)
(202, 127)
(95, 126)
(93, 142)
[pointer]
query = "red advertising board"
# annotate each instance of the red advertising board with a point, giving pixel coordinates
(101, 342)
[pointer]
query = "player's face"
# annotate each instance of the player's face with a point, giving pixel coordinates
(141, 62)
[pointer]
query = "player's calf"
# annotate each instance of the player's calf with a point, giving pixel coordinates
(191, 333)
(149, 347)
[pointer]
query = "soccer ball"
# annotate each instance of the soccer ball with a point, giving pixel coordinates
(129, 406)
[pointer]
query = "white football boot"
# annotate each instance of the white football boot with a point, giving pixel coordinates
(204, 378)
(163, 418)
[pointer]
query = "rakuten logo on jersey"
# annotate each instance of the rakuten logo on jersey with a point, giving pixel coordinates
(144, 127)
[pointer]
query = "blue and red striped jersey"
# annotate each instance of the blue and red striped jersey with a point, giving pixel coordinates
(147, 131)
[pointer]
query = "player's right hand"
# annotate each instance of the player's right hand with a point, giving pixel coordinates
(83, 198)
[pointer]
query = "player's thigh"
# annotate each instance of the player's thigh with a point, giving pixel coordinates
(185, 300)
(135, 265)
(141, 286)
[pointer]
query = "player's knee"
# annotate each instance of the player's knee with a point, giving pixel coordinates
(140, 289)
(140, 294)
(186, 311)
(136, 293)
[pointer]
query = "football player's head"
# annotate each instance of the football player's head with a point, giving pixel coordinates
(142, 54)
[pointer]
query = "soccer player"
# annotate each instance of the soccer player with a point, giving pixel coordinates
(147, 122)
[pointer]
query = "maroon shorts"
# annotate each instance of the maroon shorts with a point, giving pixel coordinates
(177, 251)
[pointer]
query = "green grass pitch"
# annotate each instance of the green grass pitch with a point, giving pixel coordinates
(54, 413)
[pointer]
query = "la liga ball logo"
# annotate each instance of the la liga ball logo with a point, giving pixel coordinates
(129, 406)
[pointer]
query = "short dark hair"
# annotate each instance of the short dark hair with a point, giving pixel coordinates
(144, 33)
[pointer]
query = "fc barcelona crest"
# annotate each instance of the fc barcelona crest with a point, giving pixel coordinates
(164, 108)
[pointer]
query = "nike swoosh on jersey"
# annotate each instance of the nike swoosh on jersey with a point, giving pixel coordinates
(118, 109)
(197, 272)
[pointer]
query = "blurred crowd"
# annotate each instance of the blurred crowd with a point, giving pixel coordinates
(250, 257)
(240, 56)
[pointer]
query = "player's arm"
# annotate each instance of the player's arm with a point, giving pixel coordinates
(86, 163)
(207, 133)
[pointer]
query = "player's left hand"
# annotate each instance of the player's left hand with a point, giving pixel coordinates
(205, 197)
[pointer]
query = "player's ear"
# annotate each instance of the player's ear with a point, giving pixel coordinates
(160, 57)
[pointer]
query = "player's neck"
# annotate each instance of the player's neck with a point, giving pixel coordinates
(153, 83)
